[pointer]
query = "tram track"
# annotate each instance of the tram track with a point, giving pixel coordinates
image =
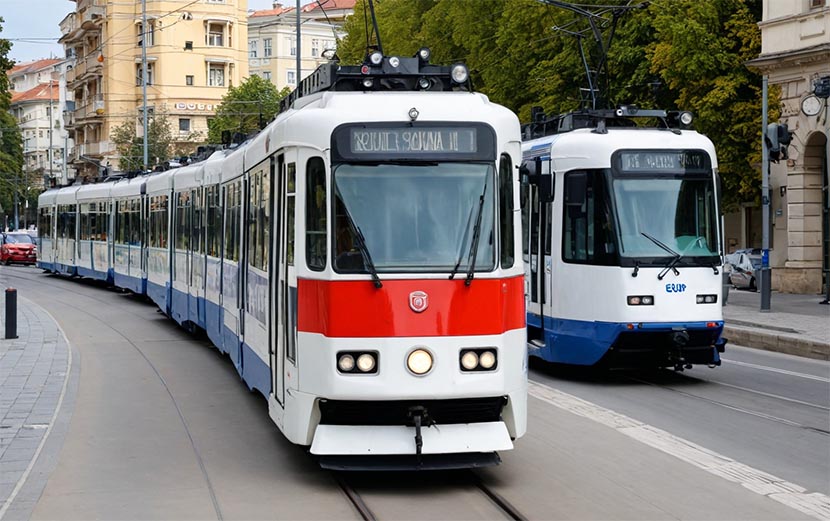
(743, 410)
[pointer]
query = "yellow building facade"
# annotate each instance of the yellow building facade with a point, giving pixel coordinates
(195, 51)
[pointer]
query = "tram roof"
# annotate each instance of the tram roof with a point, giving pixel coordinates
(129, 187)
(160, 182)
(584, 148)
(213, 166)
(66, 195)
(94, 191)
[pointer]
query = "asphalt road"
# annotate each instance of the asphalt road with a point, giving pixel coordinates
(162, 427)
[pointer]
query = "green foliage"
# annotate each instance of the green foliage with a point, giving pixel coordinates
(243, 106)
(131, 147)
(674, 54)
(11, 140)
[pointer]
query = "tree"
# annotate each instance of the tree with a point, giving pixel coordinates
(673, 54)
(244, 108)
(11, 140)
(131, 147)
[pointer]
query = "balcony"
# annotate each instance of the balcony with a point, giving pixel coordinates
(91, 109)
(91, 16)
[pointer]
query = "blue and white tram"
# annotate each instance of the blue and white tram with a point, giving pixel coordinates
(94, 255)
(357, 261)
(622, 242)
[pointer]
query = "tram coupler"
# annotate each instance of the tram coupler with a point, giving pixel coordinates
(419, 416)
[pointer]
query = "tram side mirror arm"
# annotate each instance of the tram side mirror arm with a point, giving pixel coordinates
(531, 173)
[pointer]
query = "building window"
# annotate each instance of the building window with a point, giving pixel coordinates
(188, 80)
(315, 47)
(251, 48)
(266, 75)
(150, 34)
(291, 77)
(149, 74)
(817, 3)
(184, 124)
(215, 35)
(216, 75)
(266, 47)
(292, 45)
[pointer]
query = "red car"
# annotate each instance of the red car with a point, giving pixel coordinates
(18, 247)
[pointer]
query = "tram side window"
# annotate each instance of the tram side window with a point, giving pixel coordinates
(506, 211)
(44, 222)
(259, 221)
(85, 219)
(158, 221)
(214, 220)
(587, 234)
(289, 209)
(196, 224)
(182, 220)
(315, 216)
(135, 222)
(233, 201)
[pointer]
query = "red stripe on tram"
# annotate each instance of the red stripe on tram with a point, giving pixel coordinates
(358, 309)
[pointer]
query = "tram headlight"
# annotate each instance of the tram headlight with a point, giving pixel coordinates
(487, 360)
(345, 363)
(686, 118)
(375, 58)
(394, 61)
(469, 360)
(366, 363)
(640, 300)
(368, 82)
(419, 362)
(459, 73)
(423, 54)
(423, 83)
(706, 299)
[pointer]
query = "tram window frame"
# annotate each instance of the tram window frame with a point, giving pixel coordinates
(507, 240)
(158, 221)
(233, 209)
(597, 194)
(182, 237)
(316, 242)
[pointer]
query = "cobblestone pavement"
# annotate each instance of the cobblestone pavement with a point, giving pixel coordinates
(33, 375)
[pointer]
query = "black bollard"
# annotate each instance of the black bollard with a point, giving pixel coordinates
(11, 313)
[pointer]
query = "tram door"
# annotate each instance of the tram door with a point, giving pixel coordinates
(536, 237)
(276, 343)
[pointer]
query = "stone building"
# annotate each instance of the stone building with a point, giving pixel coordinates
(795, 55)
(195, 51)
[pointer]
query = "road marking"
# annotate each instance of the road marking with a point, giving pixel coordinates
(813, 504)
(25, 476)
(780, 371)
(762, 393)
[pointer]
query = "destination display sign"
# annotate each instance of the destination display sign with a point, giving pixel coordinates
(671, 161)
(413, 141)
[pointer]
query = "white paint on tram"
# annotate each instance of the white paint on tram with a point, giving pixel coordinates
(813, 504)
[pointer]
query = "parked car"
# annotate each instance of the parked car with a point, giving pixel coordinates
(744, 269)
(18, 247)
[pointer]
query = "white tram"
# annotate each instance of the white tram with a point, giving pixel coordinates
(622, 240)
(358, 260)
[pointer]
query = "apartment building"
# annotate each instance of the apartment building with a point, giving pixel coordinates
(272, 39)
(37, 104)
(195, 51)
(795, 54)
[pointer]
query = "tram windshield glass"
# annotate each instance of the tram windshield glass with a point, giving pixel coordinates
(658, 212)
(414, 217)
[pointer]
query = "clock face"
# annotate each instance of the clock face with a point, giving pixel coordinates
(811, 105)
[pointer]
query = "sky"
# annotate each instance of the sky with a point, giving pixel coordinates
(36, 23)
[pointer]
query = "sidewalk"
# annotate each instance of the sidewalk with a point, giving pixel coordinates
(795, 324)
(33, 373)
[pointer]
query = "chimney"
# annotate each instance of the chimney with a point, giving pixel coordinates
(277, 5)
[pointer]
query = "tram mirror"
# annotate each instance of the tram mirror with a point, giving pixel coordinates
(576, 188)
(531, 172)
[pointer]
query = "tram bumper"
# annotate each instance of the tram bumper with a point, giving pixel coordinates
(376, 440)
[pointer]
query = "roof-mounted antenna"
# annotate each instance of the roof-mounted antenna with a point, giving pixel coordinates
(375, 27)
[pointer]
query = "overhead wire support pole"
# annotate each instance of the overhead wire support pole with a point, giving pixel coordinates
(299, 47)
(766, 277)
(144, 33)
(375, 25)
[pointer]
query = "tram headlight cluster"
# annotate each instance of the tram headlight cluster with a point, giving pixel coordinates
(707, 299)
(640, 300)
(419, 361)
(478, 360)
(459, 73)
(357, 362)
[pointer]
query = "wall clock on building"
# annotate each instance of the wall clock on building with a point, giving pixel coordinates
(811, 105)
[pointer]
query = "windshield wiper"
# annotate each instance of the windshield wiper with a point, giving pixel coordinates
(463, 242)
(476, 236)
(671, 265)
(361, 245)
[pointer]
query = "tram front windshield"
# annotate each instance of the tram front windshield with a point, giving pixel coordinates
(414, 217)
(657, 212)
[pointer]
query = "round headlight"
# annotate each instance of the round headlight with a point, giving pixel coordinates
(459, 73)
(647, 301)
(375, 58)
(423, 53)
(487, 359)
(345, 363)
(419, 361)
(686, 118)
(423, 83)
(365, 362)
(368, 82)
(469, 360)
(394, 61)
